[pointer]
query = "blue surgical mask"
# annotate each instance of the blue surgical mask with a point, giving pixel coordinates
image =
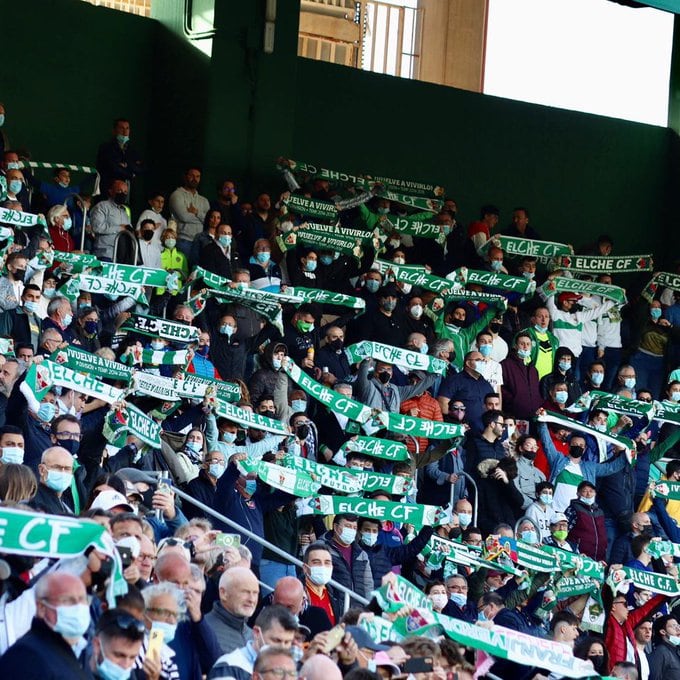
(263, 257)
(629, 383)
(458, 599)
(485, 350)
(546, 498)
(251, 486)
(674, 640)
(216, 470)
(49, 293)
(122, 139)
(194, 446)
(14, 186)
(496, 265)
(372, 285)
(108, 670)
(529, 537)
(168, 629)
(655, 312)
(310, 265)
(276, 363)
(298, 405)
(68, 223)
(564, 366)
(224, 241)
(597, 378)
(46, 411)
(2, 119)
(227, 329)
(383, 211)
(170, 243)
(157, 345)
(229, 437)
(540, 329)
(58, 481)
(587, 501)
(601, 427)
(479, 366)
(464, 518)
(523, 353)
(529, 275)
(368, 538)
(424, 348)
(12, 454)
(326, 259)
(67, 320)
(481, 617)
(561, 396)
(72, 620)
(348, 535)
(675, 396)
(31, 307)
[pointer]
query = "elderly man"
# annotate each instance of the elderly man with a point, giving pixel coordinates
(59, 316)
(239, 592)
(275, 660)
(55, 476)
(275, 626)
(320, 667)
(50, 650)
(9, 373)
(109, 218)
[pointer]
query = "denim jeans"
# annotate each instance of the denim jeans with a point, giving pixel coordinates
(271, 571)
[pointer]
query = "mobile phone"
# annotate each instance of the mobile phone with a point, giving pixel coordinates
(334, 638)
(227, 540)
(155, 643)
(417, 664)
(126, 557)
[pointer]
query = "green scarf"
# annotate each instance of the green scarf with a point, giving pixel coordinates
(249, 419)
(415, 275)
(19, 219)
(330, 476)
(130, 420)
(103, 286)
(77, 262)
(606, 264)
(162, 328)
(413, 361)
(526, 247)
(289, 480)
(561, 284)
(664, 279)
(513, 284)
(621, 579)
(311, 207)
(143, 276)
(385, 449)
(327, 297)
(415, 225)
(82, 361)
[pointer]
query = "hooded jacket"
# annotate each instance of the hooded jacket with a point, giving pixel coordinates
(263, 381)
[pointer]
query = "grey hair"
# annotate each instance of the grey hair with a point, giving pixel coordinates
(440, 346)
(150, 593)
(56, 211)
(55, 304)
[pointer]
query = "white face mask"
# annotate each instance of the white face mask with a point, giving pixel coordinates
(439, 601)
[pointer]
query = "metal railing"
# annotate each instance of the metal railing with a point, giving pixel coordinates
(348, 594)
(135, 245)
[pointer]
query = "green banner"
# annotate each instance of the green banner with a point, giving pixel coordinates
(415, 275)
(103, 286)
(162, 328)
(249, 419)
(505, 282)
(413, 361)
(385, 449)
(516, 246)
(621, 580)
(311, 207)
(143, 276)
(42, 376)
(19, 219)
(606, 264)
(415, 225)
(664, 279)
(327, 297)
(409, 513)
(292, 481)
(85, 362)
(77, 262)
(561, 284)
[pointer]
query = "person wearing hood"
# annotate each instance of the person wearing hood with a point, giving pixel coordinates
(227, 352)
(499, 499)
(528, 476)
(563, 372)
(263, 381)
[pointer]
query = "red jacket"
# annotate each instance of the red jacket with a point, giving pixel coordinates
(615, 633)
(428, 407)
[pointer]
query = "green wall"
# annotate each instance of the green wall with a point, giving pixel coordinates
(580, 175)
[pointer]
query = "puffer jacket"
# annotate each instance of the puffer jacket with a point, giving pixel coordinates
(587, 530)
(263, 381)
(356, 576)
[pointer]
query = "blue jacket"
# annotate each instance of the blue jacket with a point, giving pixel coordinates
(591, 471)
(196, 649)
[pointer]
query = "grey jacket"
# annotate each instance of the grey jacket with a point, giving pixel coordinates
(664, 662)
(230, 630)
(527, 478)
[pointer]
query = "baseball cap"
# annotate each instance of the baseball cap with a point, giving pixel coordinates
(566, 297)
(558, 517)
(364, 640)
(109, 499)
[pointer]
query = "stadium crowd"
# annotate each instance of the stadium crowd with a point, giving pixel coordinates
(466, 436)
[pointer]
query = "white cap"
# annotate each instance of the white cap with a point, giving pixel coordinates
(109, 498)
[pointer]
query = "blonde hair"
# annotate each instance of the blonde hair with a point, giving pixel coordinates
(17, 483)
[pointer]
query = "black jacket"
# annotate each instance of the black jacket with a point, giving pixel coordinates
(41, 654)
(214, 260)
(357, 575)
(202, 489)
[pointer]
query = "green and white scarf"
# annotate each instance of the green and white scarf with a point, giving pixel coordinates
(385, 449)
(311, 207)
(581, 565)
(7, 346)
(85, 362)
(143, 276)
(154, 385)
(130, 420)
(42, 376)
(657, 548)
(516, 246)
(606, 264)
(398, 593)
(621, 579)
(612, 402)
(330, 476)
(102, 285)
(162, 328)
(76, 262)
(667, 412)
(561, 284)
(327, 297)
(156, 357)
(664, 279)
(505, 282)
(224, 391)
(413, 361)
(415, 275)
(19, 219)
(249, 419)
(668, 491)
(417, 427)
(414, 225)
(289, 480)
(433, 205)
(409, 513)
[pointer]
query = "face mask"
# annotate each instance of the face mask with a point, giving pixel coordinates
(675, 396)
(72, 620)
(320, 576)
(157, 345)
(112, 671)
(305, 326)
(529, 537)
(122, 139)
(310, 265)
(168, 630)
(575, 451)
(298, 405)
(147, 234)
(91, 327)
(629, 383)
(67, 320)
(546, 498)
(31, 307)
(302, 431)
(337, 345)
(251, 486)
(49, 293)
(655, 312)
(12, 454)
(481, 617)
(119, 198)
(416, 311)
(479, 366)
(601, 427)
(564, 366)
(561, 397)
(71, 445)
(203, 351)
(458, 599)
(405, 287)
(384, 377)
(674, 640)
(598, 661)
(523, 353)
(276, 363)
(58, 481)
(326, 259)
(464, 518)
(539, 329)
(46, 411)
(439, 601)
(216, 469)
(496, 265)
(485, 350)
(597, 378)
(368, 538)
(194, 446)
(229, 437)
(587, 501)
(263, 257)
(348, 535)
(224, 241)
(389, 305)
(372, 285)
(560, 535)
(68, 223)
(2, 119)
(529, 275)
(399, 260)
(170, 243)
(424, 348)
(227, 329)
(14, 186)
(383, 211)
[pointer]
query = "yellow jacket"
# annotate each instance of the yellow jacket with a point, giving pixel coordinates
(672, 507)
(173, 259)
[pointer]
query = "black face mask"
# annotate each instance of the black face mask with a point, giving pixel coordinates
(268, 414)
(529, 455)
(19, 274)
(576, 451)
(384, 377)
(120, 197)
(495, 327)
(147, 234)
(457, 322)
(597, 661)
(336, 345)
(455, 532)
(302, 431)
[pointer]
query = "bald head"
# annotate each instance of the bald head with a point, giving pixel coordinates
(173, 568)
(239, 591)
(320, 667)
(289, 593)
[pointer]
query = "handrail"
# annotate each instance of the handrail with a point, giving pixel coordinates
(266, 544)
(135, 243)
(474, 507)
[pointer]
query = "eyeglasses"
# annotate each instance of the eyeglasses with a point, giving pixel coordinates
(458, 408)
(279, 673)
(166, 614)
(60, 468)
(127, 622)
(75, 436)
